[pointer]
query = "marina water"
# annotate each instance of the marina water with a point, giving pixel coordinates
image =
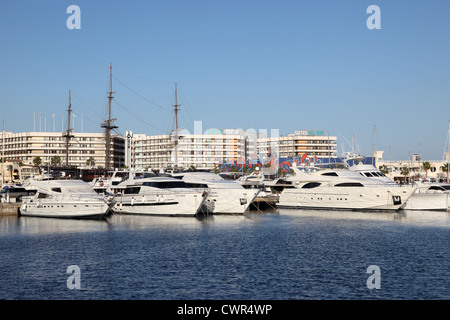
(280, 255)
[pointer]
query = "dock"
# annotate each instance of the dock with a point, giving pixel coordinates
(9, 208)
(264, 202)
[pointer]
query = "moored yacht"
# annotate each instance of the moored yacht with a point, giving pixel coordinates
(434, 196)
(341, 189)
(158, 195)
(428, 196)
(63, 199)
(227, 196)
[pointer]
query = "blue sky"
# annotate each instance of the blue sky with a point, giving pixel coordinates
(287, 65)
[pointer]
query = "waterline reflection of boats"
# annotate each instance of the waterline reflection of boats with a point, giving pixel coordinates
(64, 199)
(425, 218)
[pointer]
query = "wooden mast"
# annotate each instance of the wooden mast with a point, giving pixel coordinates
(108, 124)
(67, 134)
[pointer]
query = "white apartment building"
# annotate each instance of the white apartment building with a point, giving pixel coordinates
(313, 143)
(205, 151)
(26, 146)
(218, 146)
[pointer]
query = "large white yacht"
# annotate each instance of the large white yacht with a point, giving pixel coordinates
(433, 196)
(63, 199)
(341, 189)
(227, 196)
(150, 194)
(428, 196)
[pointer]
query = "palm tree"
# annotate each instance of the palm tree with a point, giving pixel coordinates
(444, 168)
(90, 162)
(384, 169)
(56, 160)
(404, 172)
(426, 166)
(37, 161)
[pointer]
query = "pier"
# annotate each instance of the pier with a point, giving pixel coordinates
(9, 208)
(264, 202)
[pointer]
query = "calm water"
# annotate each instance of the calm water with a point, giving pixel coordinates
(289, 254)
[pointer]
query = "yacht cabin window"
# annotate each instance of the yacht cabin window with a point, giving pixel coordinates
(311, 185)
(166, 184)
(349, 184)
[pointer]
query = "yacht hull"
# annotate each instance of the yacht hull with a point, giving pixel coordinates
(231, 200)
(160, 204)
(68, 210)
(428, 201)
(348, 198)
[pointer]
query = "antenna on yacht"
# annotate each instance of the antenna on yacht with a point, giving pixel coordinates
(3, 151)
(448, 153)
(373, 146)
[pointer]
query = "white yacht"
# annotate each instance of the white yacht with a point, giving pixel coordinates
(104, 185)
(428, 196)
(434, 196)
(341, 189)
(158, 195)
(227, 196)
(63, 199)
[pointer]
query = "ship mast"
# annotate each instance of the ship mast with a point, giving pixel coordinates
(108, 124)
(175, 106)
(67, 134)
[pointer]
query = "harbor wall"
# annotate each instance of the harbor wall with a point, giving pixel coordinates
(9, 209)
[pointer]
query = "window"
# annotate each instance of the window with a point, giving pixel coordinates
(132, 190)
(166, 184)
(311, 185)
(332, 174)
(349, 184)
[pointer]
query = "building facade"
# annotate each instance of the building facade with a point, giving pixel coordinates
(206, 151)
(218, 146)
(415, 170)
(51, 147)
(313, 143)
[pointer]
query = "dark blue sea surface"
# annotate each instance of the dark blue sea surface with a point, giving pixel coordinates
(282, 255)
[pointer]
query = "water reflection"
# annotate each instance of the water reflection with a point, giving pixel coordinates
(34, 225)
(429, 218)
